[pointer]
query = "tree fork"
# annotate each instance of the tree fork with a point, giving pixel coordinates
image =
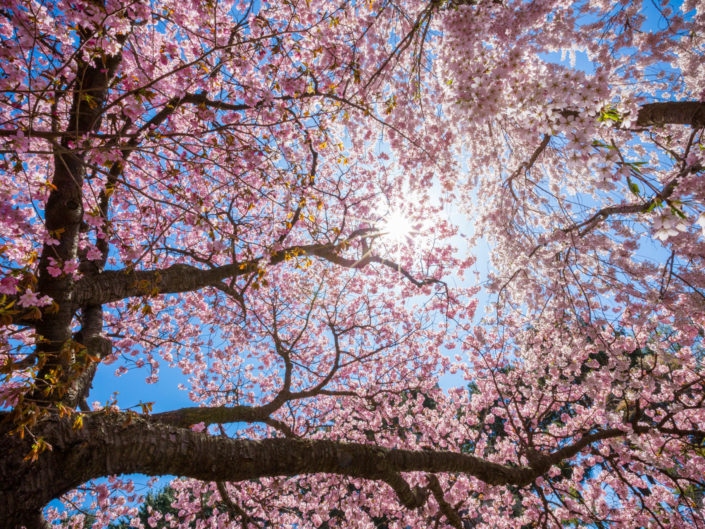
(64, 215)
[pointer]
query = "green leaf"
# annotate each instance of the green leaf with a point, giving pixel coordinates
(677, 212)
(654, 204)
(609, 114)
(633, 187)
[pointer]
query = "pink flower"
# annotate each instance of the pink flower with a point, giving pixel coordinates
(94, 253)
(29, 299)
(54, 267)
(93, 220)
(667, 226)
(70, 267)
(198, 427)
(8, 285)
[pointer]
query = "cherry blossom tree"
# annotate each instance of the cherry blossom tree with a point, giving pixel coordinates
(282, 201)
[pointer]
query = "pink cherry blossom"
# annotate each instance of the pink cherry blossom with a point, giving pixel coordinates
(352, 264)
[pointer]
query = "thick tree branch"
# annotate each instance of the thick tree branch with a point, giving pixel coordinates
(185, 417)
(114, 285)
(672, 113)
(667, 113)
(123, 444)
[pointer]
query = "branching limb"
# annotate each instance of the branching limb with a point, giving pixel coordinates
(446, 508)
(114, 285)
(120, 443)
(233, 508)
(526, 166)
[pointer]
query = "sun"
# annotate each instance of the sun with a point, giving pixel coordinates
(396, 227)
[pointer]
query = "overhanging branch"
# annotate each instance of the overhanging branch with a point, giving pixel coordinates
(114, 285)
(124, 443)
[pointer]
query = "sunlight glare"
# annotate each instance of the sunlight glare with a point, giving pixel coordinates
(397, 227)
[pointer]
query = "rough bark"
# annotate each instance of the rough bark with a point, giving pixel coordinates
(672, 113)
(185, 417)
(121, 443)
(63, 217)
(126, 443)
